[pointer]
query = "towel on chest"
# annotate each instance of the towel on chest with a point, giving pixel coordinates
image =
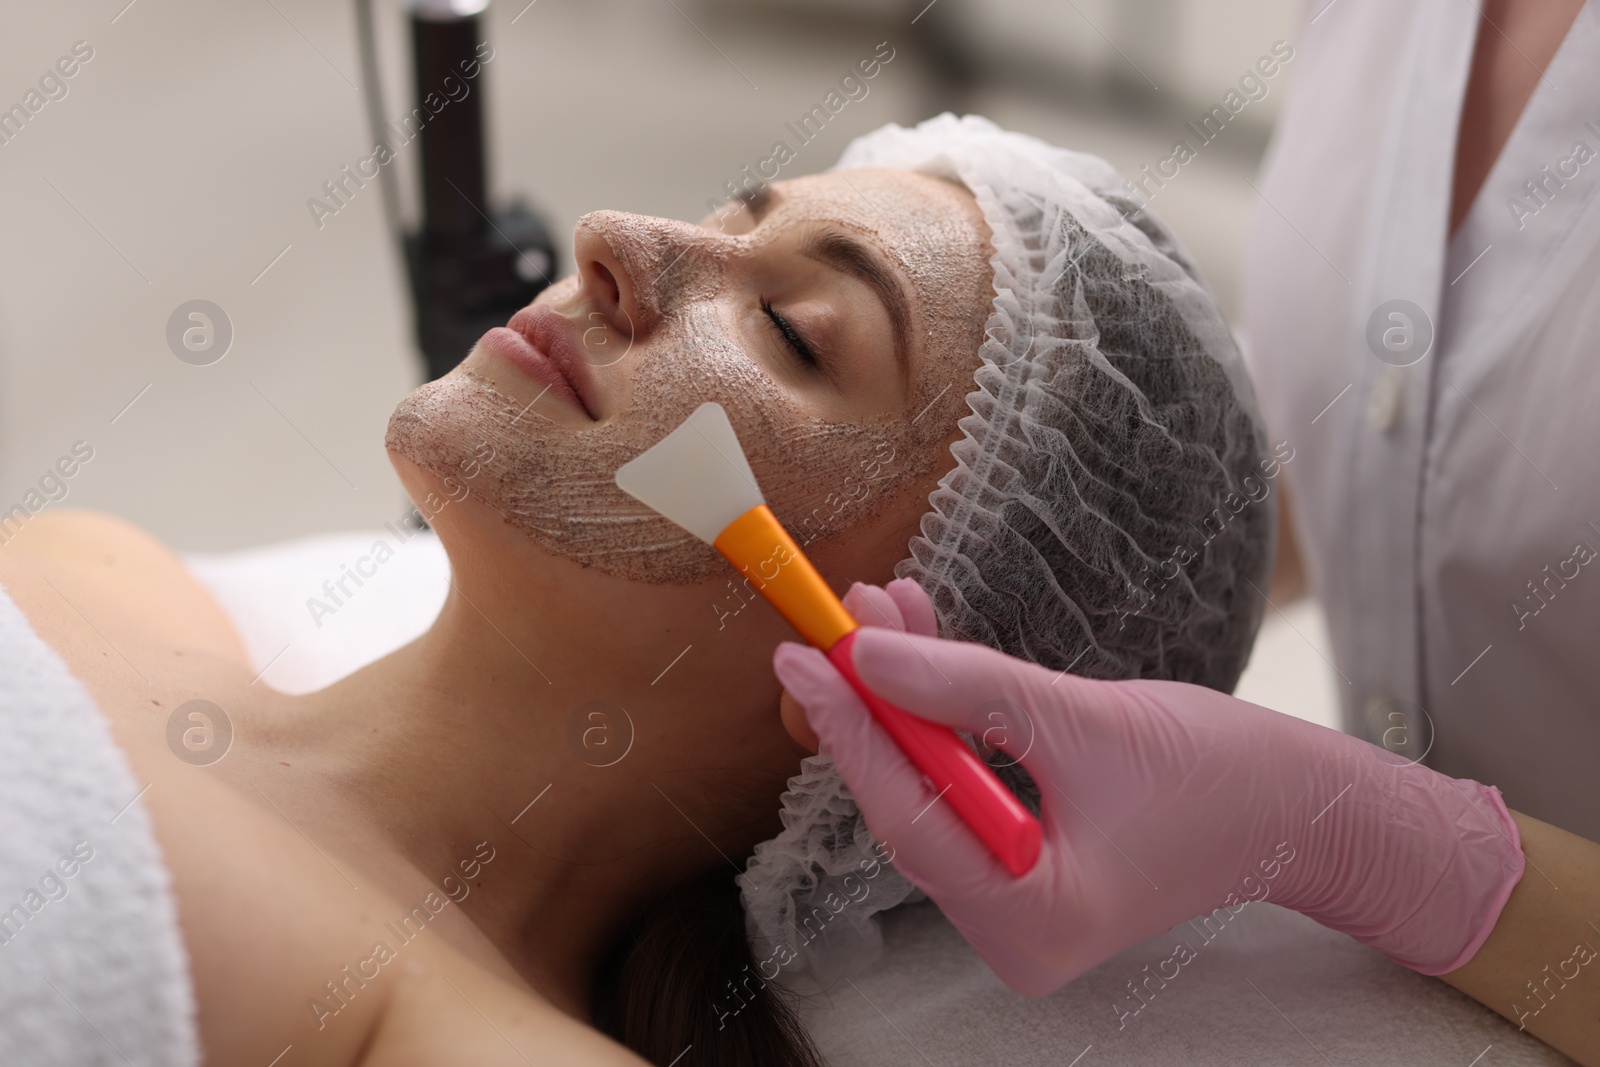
(92, 965)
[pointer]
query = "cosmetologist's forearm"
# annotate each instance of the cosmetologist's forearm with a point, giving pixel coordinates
(1540, 967)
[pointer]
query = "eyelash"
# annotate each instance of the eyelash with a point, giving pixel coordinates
(790, 335)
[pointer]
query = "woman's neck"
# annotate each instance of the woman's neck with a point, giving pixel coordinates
(492, 736)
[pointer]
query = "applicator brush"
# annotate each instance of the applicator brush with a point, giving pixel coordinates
(698, 477)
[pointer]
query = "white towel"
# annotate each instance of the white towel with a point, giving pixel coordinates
(1270, 986)
(306, 622)
(92, 966)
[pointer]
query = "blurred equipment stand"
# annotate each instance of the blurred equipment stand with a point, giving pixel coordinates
(471, 267)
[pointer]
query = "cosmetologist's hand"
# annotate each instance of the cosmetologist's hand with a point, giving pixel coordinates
(1161, 802)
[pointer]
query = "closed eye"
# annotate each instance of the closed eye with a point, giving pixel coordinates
(791, 336)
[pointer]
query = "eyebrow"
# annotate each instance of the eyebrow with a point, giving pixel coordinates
(850, 257)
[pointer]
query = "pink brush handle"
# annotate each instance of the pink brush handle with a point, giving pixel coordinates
(988, 808)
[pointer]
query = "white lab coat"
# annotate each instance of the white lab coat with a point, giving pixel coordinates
(1449, 510)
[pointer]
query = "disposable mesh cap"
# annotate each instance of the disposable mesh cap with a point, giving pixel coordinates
(1108, 512)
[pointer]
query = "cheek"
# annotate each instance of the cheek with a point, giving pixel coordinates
(823, 479)
(820, 477)
(830, 479)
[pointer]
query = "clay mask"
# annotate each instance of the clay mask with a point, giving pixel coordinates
(821, 477)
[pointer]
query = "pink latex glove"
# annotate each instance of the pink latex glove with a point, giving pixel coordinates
(1161, 802)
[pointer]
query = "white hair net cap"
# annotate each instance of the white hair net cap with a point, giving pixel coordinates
(1106, 513)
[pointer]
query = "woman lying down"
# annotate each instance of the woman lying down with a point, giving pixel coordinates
(960, 358)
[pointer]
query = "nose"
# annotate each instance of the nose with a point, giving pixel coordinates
(605, 280)
(626, 263)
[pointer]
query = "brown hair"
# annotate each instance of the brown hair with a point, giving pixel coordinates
(681, 986)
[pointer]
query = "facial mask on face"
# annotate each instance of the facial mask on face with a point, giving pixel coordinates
(556, 482)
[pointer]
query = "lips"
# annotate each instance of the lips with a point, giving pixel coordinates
(545, 345)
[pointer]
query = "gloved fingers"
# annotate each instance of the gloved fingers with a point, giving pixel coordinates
(1006, 702)
(915, 607)
(871, 606)
(931, 845)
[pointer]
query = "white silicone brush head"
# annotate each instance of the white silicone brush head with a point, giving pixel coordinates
(697, 475)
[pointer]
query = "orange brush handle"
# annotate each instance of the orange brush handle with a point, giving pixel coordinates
(762, 550)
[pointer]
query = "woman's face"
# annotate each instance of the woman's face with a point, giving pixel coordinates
(837, 318)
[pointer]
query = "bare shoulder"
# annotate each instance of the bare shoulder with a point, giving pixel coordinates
(291, 948)
(129, 574)
(437, 1017)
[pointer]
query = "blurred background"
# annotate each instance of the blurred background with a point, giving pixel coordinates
(180, 163)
